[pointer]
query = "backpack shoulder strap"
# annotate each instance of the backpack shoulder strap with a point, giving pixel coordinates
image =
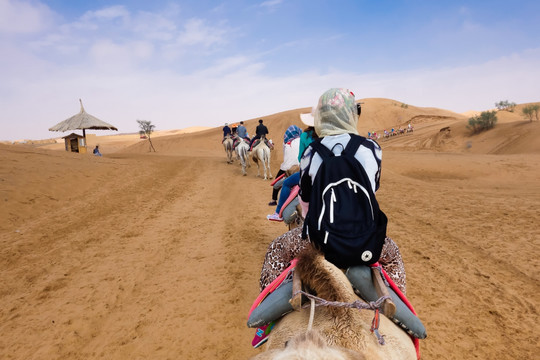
(353, 145)
(320, 149)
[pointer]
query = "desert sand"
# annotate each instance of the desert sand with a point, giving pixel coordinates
(138, 255)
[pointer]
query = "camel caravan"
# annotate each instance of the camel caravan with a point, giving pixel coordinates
(259, 148)
(393, 132)
(333, 286)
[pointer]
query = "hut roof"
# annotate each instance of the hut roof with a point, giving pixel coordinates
(81, 121)
(72, 135)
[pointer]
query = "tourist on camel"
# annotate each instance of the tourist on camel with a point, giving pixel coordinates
(291, 146)
(336, 117)
(260, 130)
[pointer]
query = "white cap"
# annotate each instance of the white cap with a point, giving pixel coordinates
(307, 119)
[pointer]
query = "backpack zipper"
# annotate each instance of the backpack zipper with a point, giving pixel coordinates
(332, 201)
(353, 185)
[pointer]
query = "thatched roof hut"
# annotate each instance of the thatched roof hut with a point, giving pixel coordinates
(82, 121)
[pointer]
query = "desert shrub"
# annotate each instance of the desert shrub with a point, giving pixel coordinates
(505, 105)
(531, 111)
(485, 121)
(405, 106)
(147, 128)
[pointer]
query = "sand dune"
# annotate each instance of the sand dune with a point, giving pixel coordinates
(157, 255)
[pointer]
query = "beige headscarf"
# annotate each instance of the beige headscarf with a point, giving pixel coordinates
(336, 113)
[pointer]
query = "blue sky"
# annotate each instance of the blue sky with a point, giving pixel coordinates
(203, 63)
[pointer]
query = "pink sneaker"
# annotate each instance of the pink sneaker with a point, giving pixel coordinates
(261, 334)
(274, 217)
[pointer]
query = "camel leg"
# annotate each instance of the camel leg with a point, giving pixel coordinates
(258, 168)
(269, 171)
(268, 164)
(243, 161)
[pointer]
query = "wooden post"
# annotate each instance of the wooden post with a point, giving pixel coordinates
(296, 300)
(389, 308)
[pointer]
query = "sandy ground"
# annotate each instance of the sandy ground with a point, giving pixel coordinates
(139, 255)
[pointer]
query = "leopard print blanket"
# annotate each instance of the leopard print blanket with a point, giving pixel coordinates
(287, 246)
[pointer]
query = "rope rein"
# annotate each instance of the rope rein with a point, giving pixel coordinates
(357, 304)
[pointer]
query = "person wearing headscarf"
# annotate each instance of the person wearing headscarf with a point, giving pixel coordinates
(291, 145)
(293, 179)
(335, 118)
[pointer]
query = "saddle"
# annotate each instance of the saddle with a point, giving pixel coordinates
(370, 283)
(236, 141)
(288, 211)
(258, 141)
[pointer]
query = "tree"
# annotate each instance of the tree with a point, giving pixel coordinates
(485, 121)
(147, 128)
(531, 111)
(505, 105)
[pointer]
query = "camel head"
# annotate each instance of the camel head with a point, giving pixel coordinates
(310, 346)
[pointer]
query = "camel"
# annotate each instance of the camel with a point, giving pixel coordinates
(242, 150)
(228, 146)
(310, 345)
(261, 153)
(345, 331)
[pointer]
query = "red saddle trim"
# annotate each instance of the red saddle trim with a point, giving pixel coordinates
(294, 193)
(277, 179)
(403, 298)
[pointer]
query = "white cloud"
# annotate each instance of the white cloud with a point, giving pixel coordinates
(238, 89)
(108, 13)
(473, 87)
(196, 32)
(19, 17)
(151, 65)
(271, 3)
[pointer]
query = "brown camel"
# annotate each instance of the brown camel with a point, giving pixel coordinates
(344, 330)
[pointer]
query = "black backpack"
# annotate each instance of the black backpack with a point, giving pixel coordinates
(344, 220)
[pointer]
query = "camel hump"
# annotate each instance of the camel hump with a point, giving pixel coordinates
(323, 277)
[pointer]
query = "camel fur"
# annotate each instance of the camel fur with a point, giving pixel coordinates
(228, 146)
(340, 327)
(310, 345)
(261, 153)
(242, 150)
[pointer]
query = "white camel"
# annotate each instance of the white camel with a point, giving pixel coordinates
(261, 153)
(228, 146)
(242, 151)
(344, 333)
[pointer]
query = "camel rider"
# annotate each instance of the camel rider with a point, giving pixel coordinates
(241, 131)
(226, 130)
(260, 130)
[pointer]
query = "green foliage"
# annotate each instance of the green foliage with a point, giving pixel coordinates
(405, 106)
(485, 121)
(147, 128)
(531, 111)
(505, 105)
